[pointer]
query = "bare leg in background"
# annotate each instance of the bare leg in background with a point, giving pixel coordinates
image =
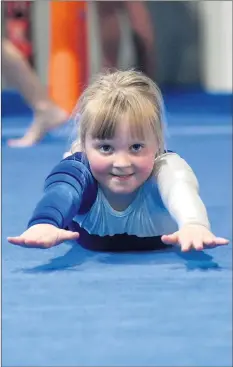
(110, 34)
(141, 26)
(19, 73)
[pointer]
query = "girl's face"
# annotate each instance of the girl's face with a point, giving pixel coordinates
(122, 164)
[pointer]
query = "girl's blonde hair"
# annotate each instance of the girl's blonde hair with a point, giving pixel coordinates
(113, 97)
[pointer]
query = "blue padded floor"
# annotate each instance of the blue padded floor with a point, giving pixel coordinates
(67, 306)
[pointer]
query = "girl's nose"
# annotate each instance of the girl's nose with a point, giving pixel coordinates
(122, 161)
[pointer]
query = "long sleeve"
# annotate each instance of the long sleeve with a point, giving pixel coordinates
(67, 188)
(58, 205)
(179, 190)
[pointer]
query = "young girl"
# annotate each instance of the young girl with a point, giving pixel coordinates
(120, 189)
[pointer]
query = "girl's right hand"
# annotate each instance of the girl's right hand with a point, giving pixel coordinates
(43, 236)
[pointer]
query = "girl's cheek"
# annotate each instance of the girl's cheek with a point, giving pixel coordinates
(99, 165)
(146, 164)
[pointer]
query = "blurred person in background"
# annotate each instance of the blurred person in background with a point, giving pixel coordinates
(142, 29)
(19, 73)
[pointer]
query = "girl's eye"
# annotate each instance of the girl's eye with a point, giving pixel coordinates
(105, 148)
(136, 148)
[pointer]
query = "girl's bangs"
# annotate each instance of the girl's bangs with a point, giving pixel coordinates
(139, 114)
(141, 119)
(106, 118)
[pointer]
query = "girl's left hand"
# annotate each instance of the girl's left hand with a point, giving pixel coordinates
(194, 236)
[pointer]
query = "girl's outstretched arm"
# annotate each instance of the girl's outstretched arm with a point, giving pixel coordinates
(63, 194)
(179, 191)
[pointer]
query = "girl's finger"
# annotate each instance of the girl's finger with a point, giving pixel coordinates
(209, 241)
(69, 235)
(16, 240)
(198, 244)
(185, 245)
(170, 239)
(221, 241)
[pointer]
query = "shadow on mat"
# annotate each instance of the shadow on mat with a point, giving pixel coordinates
(77, 256)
